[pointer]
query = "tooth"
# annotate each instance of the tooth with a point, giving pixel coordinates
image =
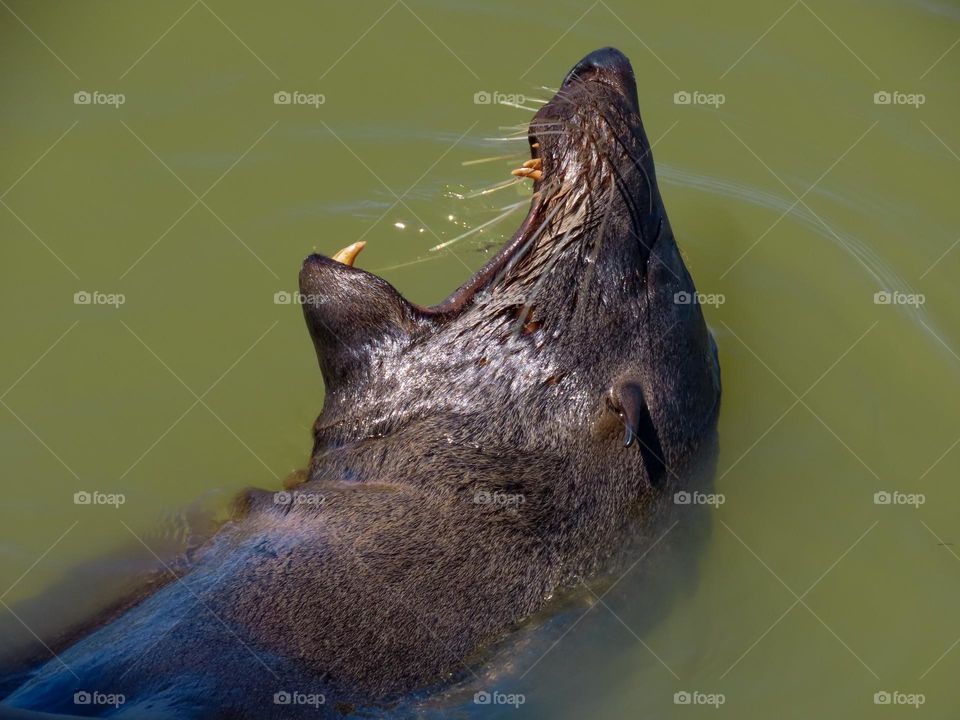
(527, 172)
(349, 253)
(536, 163)
(536, 146)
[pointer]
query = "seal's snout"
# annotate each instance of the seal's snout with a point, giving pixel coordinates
(349, 313)
(610, 66)
(606, 59)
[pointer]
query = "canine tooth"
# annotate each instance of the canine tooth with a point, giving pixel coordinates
(528, 172)
(536, 146)
(536, 163)
(350, 252)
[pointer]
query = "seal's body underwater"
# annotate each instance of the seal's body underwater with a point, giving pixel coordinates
(471, 458)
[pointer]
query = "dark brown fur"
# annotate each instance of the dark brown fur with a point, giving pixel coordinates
(469, 461)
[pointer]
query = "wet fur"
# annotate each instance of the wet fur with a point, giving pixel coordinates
(387, 575)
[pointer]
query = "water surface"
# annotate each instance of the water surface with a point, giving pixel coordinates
(796, 200)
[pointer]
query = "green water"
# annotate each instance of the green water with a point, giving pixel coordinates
(795, 200)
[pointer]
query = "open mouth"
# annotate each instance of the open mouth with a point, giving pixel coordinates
(555, 141)
(508, 256)
(564, 168)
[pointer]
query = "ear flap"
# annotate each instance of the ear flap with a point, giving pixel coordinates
(627, 401)
(349, 314)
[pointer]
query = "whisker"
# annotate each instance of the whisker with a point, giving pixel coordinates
(521, 318)
(525, 127)
(522, 252)
(522, 137)
(518, 106)
(475, 230)
(630, 156)
(491, 159)
(486, 191)
(564, 95)
(549, 125)
(591, 264)
(378, 271)
(543, 123)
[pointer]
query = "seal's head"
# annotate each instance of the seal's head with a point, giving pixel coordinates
(574, 367)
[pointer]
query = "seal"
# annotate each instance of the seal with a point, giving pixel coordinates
(471, 458)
